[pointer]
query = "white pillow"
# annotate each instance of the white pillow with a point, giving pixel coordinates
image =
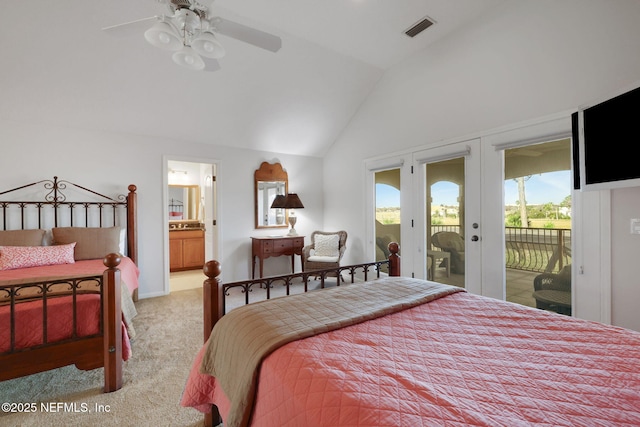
(326, 245)
(122, 245)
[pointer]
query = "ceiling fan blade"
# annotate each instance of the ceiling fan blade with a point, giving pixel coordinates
(211, 64)
(247, 34)
(130, 28)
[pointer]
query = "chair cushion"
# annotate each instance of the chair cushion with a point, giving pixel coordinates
(327, 245)
(316, 258)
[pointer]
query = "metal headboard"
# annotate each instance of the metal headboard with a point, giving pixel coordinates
(55, 210)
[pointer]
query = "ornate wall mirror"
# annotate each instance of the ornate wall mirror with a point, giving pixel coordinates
(184, 202)
(270, 180)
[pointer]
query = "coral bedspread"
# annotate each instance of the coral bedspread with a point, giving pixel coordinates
(460, 360)
(60, 316)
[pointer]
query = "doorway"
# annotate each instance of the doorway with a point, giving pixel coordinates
(449, 224)
(190, 200)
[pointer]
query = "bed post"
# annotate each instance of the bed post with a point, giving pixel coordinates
(212, 295)
(132, 224)
(112, 324)
(213, 311)
(132, 229)
(394, 259)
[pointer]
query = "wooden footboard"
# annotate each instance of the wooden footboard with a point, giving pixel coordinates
(86, 352)
(214, 292)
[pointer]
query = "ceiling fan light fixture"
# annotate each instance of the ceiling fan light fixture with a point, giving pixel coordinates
(188, 29)
(188, 58)
(164, 36)
(207, 45)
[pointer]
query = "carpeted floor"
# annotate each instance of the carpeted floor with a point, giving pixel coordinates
(169, 334)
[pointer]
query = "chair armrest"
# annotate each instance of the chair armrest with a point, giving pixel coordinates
(342, 249)
(306, 251)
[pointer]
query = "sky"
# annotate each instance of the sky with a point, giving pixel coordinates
(539, 189)
(542, 188)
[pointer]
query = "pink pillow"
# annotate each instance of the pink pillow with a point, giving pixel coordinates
(12, 257)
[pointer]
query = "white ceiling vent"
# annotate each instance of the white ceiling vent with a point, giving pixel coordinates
(419, 27)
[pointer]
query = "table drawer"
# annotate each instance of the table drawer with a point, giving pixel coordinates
(266, 246)
(282, 245)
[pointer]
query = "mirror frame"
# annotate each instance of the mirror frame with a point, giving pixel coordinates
(186, 203)
(269, 173)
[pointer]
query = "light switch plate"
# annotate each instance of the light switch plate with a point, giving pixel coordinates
(635, 225)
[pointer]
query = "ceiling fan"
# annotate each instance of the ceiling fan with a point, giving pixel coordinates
(188, 28)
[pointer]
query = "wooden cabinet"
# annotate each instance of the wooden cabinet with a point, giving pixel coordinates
(186, 249)
(265, 247)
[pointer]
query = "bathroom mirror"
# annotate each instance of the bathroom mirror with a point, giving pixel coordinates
(184, 202)
(270, 180)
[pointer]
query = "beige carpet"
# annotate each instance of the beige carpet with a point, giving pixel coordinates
(169, 334)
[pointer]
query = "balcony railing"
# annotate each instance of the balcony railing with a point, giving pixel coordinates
(538, 249)
(531, 249)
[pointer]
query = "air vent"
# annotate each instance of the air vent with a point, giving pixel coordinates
(419, 27)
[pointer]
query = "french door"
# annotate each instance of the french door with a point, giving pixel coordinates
(447, 230)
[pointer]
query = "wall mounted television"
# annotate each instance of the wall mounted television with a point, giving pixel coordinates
(605, 138)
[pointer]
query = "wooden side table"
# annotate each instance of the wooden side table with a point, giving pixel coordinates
(265, 247)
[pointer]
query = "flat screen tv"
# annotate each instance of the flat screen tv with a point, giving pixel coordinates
(608, 137)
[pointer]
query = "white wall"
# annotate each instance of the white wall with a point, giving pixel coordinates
(110, 162)
(526, 61)
(625, 258)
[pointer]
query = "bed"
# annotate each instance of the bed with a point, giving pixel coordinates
(68, 279)
(426, 354)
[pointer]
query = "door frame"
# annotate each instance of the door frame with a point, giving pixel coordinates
(212, 231)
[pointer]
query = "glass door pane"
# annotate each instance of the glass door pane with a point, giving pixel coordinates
(445, 214)
(537, 211)
(387, 211)
(449, 233)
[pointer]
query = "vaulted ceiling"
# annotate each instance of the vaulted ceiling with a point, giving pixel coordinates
(59, 68)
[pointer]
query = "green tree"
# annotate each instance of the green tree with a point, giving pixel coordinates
(513, 219)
